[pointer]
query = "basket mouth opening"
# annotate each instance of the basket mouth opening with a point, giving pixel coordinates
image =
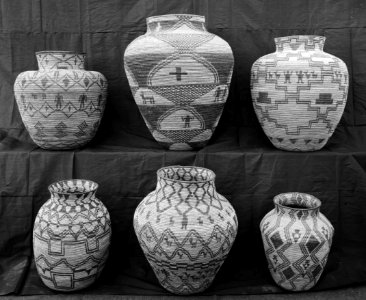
(175, 17)
(298, 201)
(296, 40)
(73, 186)
(186, 174)
(61, 52)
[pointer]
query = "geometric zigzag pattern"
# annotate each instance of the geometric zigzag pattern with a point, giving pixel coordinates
(175, 70)
(299, 93)
(71, 236)
(297, 239)
(185, 228)
(61, 104)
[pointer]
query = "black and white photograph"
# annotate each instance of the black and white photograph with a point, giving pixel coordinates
(182, 149)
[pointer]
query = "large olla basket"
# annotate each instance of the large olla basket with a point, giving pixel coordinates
(299, 93)
(297, 239)
(179, 75)
(71, 236)
(61, 104)
(185, 228)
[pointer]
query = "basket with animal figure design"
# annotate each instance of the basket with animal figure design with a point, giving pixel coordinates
(179, 75)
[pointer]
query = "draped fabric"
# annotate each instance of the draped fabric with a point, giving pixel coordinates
(123, 157)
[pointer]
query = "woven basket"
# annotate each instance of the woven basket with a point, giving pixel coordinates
(299, 93)
(179, 75)
(297, 239)
(185, 228)
(71, 236)
(61, 105)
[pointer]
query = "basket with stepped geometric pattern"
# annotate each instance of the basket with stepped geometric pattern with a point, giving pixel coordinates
(299, 93)
(179, 76)
(185, 228)
(61, 105)
(297, 239)
(71, 236)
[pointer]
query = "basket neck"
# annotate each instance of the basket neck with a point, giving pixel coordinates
(188, 182)
(300, 43)
(73, 192)
(56, 60)
(297, 204)
(177, 23)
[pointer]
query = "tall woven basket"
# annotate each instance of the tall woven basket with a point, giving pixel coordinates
(299, 93)
(185, 228)
(61, 104)
(297, 239)
(179, 75)
(71, 236)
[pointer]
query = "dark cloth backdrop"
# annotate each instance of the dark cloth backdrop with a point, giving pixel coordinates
(123, 158)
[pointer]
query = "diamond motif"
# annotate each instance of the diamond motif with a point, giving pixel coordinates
(44, 81)
(276, 240)
(288, 273)
(60, 130)
(312, 243)
(66, 81)
(316, 271)
(40, 129)
(46, 110)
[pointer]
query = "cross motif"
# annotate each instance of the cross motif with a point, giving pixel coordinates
(178, 73)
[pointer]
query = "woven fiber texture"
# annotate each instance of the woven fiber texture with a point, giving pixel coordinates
(179, 75)
(299, 93)
(185, 228)
(61, 105)
(297, 239)
(71, 236)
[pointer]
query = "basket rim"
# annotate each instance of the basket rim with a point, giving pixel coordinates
(59, 52)
(51, 189)
(212, 173)
(317, 201)
(172, 16)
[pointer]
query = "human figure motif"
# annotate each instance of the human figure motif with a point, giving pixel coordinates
(167, 241)
(307, 74)
(287, 76)
(300, 76)
(193, 242)
(314, 75)
(184, 222)
(278, 75)
(217, 237)
(58, 100)
(269, 75)
(82, 99)
(187, 121)
(219, 94)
